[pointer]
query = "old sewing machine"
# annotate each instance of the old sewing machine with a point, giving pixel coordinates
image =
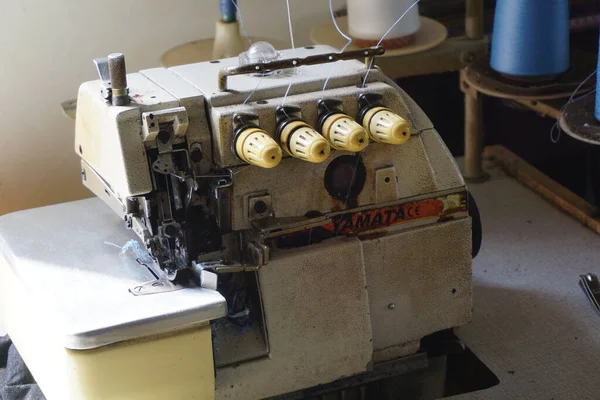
(295, 222)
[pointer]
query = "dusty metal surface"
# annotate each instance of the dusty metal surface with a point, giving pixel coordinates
(306, 303)
(578, 121)
(265, 108)
(419, 165)
(108, 139)
(424, 299)
(440, 209)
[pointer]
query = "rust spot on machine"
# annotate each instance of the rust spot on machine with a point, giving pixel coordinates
(351, 223)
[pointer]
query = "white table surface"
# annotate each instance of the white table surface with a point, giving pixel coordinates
(532, 324)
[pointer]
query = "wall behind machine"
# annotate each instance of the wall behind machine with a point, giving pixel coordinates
(46, 52)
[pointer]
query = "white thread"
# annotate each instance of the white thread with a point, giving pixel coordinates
(286, 93)
(133, 246)
(572, 98)
(385, 34)
(332, 69)
(242, 22)
(398, 20)
(255, 88)
(348, 38)
(240, 170)
(289, 15)
(363, 86)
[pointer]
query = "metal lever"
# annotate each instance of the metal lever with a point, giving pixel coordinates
(591, 287)
(369, 54)
(259, 253)
(226, 267)
(102, 68)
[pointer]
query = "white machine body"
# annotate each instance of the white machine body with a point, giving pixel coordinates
(330, 262)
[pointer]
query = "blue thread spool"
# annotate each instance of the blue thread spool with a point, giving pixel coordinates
(228, 10)
(597, 108)
(531, 38)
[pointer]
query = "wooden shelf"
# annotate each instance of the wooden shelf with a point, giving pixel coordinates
(549, 189)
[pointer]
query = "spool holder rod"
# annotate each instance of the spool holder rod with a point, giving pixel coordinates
(474, 19)
(473, 167)
(118, 79)
(369, 54)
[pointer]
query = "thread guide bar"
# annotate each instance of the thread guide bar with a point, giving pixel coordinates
(369, 53)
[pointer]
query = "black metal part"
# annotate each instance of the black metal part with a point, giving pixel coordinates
(283, 116)
(476, 228)
(443, 367)
(367, 101)
(287, 113)
(380, 371)
(261, 68)
(241, 122)
(345, 178)
(196, 155)
(260, 207)
(181, 230)
(327, 108)
(164, 136)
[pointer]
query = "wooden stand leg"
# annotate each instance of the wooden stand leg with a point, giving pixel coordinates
(473, 169)
(474, 19)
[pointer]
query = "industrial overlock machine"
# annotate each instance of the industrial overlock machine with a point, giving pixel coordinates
(280, 221)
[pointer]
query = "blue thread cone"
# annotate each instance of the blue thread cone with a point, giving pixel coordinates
(228, 10)
(531, 38)
(597, 108)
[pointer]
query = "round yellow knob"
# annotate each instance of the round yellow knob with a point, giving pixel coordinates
(256, 147)
(299, 140)
(344, 133)
(384, 126)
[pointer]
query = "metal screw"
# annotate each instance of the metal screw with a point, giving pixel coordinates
(260, 207)
(196, 153)
(391, 306)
